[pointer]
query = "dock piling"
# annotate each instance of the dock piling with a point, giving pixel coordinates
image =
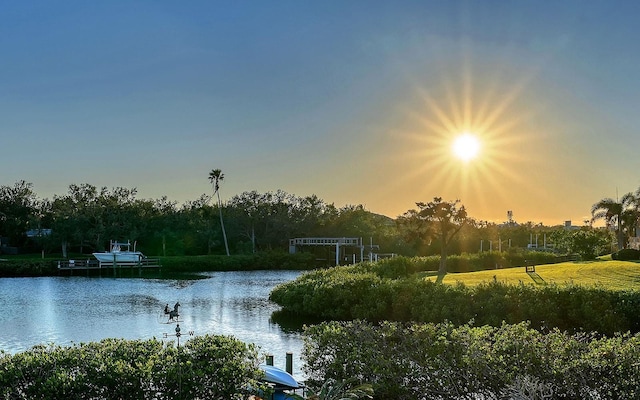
(289, 363)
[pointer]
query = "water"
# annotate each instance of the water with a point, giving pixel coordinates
(67, 310)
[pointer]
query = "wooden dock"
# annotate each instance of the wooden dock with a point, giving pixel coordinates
(93, 264)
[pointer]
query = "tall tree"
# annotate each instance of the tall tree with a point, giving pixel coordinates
(63, 221)
(164, 222)
(249, 210)
(440, 220)
(215, 177)
(198, 217)
(588, 242)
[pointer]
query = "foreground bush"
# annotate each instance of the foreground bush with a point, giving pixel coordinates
(206, 367)
(440, 361)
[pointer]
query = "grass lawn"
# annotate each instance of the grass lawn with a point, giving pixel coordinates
(614, 275)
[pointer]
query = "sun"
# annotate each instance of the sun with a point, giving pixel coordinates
(466, 146)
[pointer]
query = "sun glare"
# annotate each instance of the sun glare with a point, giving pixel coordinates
(466, 147)
(465, 136)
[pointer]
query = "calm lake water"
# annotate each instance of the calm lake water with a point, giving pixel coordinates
(66, 310)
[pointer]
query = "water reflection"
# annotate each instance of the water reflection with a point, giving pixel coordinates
(65, 310)
(291, 323)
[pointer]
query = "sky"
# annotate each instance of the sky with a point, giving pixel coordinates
(356, 102)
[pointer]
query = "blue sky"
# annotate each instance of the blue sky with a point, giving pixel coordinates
(354, 101)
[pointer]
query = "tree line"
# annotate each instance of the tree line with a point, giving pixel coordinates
(86, 218)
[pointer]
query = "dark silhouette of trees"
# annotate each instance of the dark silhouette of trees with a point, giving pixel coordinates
(18, 209)
(85, 218)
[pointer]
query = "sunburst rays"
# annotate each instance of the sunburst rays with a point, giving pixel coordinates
(490, 110)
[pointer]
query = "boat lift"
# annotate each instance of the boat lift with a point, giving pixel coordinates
(340, 244)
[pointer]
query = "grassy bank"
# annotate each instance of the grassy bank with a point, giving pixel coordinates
(606, 274)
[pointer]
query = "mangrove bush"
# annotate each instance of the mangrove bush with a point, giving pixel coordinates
(205, 367)
(393, 292)
(441, 361)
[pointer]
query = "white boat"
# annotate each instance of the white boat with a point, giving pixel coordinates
(119, 252)
(279, 377)
(281, 381)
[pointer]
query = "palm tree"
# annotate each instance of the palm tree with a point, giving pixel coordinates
(616, 213)
(215, 177)
(629, 216)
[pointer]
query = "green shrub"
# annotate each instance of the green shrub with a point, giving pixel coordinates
(216, 367)
(394, 268)
(355, 292)
(626, 255)
(424, 361)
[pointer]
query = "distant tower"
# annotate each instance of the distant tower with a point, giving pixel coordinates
(510, 217)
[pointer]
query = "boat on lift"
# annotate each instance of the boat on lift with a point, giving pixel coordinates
(120, 252)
